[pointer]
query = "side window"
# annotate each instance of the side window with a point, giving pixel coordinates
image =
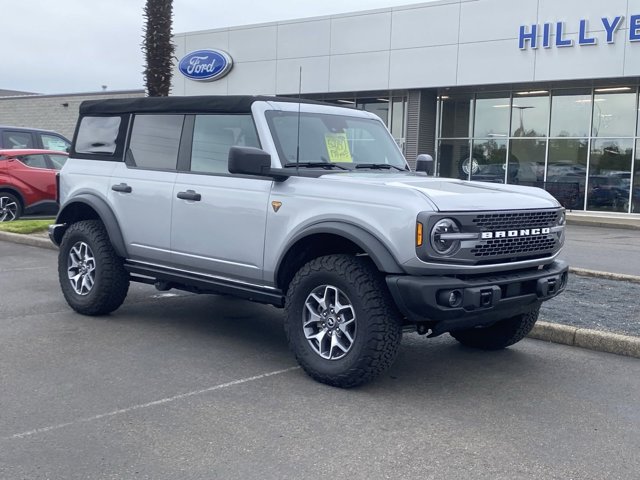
(11, 139)
(58, 161)
(98, 135)
(53, 142)
(34, 161)
(214, 135)
(155, 140)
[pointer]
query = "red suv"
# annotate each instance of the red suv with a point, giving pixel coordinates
(28, 182)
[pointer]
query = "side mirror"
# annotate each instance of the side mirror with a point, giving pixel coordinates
(249, 161)
(425, 163)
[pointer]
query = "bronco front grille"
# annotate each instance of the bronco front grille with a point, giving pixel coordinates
(512, 220)
(524, 246)
(491, 237)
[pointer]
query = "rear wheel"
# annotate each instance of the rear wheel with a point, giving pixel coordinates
(340, 320)
(501, 334)
(91, 275)
(10, 207)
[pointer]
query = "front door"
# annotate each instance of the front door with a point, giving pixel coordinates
(218, 219)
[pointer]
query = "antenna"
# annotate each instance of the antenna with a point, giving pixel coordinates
(298, 140)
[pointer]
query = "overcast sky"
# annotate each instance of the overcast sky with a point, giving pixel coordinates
(73, 46)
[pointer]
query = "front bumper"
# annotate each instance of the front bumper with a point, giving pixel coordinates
(479, 300)
(56, 232)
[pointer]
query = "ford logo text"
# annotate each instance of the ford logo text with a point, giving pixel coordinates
(205, 65)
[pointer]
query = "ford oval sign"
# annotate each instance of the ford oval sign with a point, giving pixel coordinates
(205, 65)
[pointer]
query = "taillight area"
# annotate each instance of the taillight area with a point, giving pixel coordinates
(58, 188)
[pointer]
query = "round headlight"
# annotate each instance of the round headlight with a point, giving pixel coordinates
(562, 218)
(444, 246)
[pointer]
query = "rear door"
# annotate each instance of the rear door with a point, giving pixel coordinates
(218, 219)
(35, 179)
(142, 187)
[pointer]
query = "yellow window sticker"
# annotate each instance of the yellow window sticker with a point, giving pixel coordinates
(338, 147)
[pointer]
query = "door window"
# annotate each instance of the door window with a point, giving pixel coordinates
(214, 135)
(34, 161)
(17, 140)
(54, 142)
(155, 140)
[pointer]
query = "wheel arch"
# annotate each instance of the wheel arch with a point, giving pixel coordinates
(15, 192)
(90, 207)
(328, 238)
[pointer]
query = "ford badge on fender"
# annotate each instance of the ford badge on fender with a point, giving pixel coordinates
(205, 65)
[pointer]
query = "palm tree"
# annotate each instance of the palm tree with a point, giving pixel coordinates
(157, 47)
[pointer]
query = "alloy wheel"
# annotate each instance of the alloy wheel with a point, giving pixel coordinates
(81, 268)
(329, 322)
(8, 209)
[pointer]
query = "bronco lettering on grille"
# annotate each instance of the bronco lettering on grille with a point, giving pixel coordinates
(524, 232)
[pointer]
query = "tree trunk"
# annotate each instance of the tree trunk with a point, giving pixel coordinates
(157, 47)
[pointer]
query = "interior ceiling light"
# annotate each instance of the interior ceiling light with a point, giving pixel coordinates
(613, 89)
(533, 92)
(346, 101)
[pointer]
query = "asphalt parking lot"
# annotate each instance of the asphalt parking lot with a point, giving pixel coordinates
(181, 386)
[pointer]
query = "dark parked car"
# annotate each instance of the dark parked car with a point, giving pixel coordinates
(22, 138)
(28, 182)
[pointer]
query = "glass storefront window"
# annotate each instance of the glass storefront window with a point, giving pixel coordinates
(492, 115)
(398, 106)
(456, 116)
(635, 187)
(529, 116)
(570, 114)
(374, 105)
(451, 156)
(609, 175)
(526, 161)
(614, 114)
(567, 171)
(488, 162)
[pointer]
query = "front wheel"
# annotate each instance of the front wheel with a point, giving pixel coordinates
(10, 207)
(501, 334)
(340, 320)
(92, 276)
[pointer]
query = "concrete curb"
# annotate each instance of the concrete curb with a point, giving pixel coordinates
(586, 222)
(587, 338)
(31, 240)
(584, 272)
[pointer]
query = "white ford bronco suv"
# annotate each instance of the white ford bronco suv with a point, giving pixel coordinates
(306, 206)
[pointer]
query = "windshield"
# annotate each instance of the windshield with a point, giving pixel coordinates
(333, 139)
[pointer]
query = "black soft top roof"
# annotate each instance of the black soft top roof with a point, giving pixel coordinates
(192, 104)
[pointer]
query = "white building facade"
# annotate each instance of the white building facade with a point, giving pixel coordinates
(534, 92)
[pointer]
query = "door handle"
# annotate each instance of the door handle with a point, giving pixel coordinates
(121, 187)
(190, 195)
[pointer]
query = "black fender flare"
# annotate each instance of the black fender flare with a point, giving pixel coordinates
(105, 213)
(370, 244)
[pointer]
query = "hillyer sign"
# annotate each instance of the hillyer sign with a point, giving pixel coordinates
(205, 65)
(534, 36)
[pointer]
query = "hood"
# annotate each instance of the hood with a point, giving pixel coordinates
(451, 195)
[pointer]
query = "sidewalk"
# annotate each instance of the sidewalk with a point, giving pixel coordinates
(604, 219)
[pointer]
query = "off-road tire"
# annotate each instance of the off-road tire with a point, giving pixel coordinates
(501, 334)
(12, 199)
(111, 282)
(378, 326)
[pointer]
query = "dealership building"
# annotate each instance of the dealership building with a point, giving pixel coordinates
(533, 92)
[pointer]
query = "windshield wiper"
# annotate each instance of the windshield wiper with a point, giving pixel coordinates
(326, 165)
(379, 166)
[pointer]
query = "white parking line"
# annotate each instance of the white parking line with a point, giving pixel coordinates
(5, 270)
(150, 404)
